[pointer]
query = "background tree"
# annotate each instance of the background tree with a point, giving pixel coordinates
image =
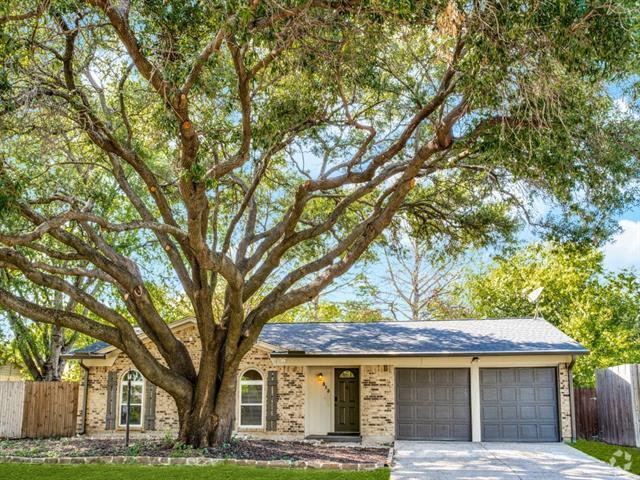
(416, 284)
(360, 311)
(600, 309)
(41, 347)
(6, 353)
(335, 304)
(255, 150)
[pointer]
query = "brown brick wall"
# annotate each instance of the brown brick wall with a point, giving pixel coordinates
(565, 402)
(377, 418)
(291, 391)
(377, 396)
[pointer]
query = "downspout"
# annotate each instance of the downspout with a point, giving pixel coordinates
(85, 393)
(572, 406)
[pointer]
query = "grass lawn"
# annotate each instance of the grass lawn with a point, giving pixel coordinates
(605, 452)
(14, 471)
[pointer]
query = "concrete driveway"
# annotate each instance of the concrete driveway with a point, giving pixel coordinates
(498, 461)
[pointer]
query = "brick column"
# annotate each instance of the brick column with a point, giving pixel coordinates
(377, 403)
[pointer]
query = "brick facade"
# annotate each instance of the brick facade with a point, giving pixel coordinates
(377, 396)
(291, 392)
(565, 402)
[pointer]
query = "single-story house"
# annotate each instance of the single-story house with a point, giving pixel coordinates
(467, 380)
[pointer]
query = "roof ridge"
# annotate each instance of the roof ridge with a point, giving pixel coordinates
(400, 322)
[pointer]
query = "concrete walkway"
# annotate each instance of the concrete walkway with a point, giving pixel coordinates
(498, 461)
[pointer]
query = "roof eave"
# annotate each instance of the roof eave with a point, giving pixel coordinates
(425, 354)
(84, 356)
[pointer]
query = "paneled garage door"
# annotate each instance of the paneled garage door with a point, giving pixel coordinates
(519, 404)
(433, 404)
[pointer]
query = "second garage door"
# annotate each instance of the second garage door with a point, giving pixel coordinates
(519, 404)
(433, 404)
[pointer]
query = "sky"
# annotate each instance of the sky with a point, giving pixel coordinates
(624, 249)
(622, 252)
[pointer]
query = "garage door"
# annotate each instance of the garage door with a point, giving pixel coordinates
(519, 404)
(433, 404)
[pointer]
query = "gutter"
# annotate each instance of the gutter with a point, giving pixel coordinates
(572, 405)
(80, 356)
(85, 393)
(300, 354)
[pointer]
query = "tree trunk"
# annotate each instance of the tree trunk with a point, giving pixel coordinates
(54, 364)
(209, 418)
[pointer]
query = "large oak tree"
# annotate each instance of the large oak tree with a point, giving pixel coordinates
(252, 151)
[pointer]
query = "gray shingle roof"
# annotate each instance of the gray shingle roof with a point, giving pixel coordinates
(92, 348)
(440, 337)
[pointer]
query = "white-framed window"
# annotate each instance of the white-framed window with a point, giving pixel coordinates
(251, 399)
(137, 394)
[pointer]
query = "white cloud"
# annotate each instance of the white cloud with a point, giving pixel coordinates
(624, 249)
(622, 105)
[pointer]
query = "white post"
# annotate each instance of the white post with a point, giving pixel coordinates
(476, 423)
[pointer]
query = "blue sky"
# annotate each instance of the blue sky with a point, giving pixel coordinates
(624, 249)
(622, 252)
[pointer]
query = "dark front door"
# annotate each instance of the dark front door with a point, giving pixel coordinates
(347, 400)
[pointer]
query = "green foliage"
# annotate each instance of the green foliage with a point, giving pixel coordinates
(134, 449)
(330, 311)
(462, 202)
(171, 305)
(600, 309)
(523, 111)
(6, 352)
(9, 192)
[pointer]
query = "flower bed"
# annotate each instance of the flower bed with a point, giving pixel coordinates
(267, 453)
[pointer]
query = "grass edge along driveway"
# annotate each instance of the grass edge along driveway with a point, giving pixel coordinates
(605, 452)
(20, 471)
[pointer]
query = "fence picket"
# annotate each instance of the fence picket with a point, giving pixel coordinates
(38, 409)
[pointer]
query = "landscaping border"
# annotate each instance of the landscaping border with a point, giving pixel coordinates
(198, 461)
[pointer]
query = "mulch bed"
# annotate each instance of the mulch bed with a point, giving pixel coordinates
(237, 449)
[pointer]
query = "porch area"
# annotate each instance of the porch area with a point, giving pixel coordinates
(349, 403)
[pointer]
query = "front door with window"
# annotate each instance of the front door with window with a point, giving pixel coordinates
(347, 400)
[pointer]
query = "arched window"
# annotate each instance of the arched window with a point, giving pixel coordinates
(137, 387)
(251, 388)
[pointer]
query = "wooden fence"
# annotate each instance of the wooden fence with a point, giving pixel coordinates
(38, 409)
(586, 413)
(618, 391)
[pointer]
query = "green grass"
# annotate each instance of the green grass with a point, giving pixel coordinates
(13, 471)
(605, 452)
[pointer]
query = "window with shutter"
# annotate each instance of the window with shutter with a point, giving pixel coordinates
(131, 401)
(251, 399)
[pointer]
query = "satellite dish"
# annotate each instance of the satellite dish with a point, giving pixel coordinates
(534, 296)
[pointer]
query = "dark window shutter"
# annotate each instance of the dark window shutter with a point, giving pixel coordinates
(272, 401)
(149, 405)
(112, 401)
